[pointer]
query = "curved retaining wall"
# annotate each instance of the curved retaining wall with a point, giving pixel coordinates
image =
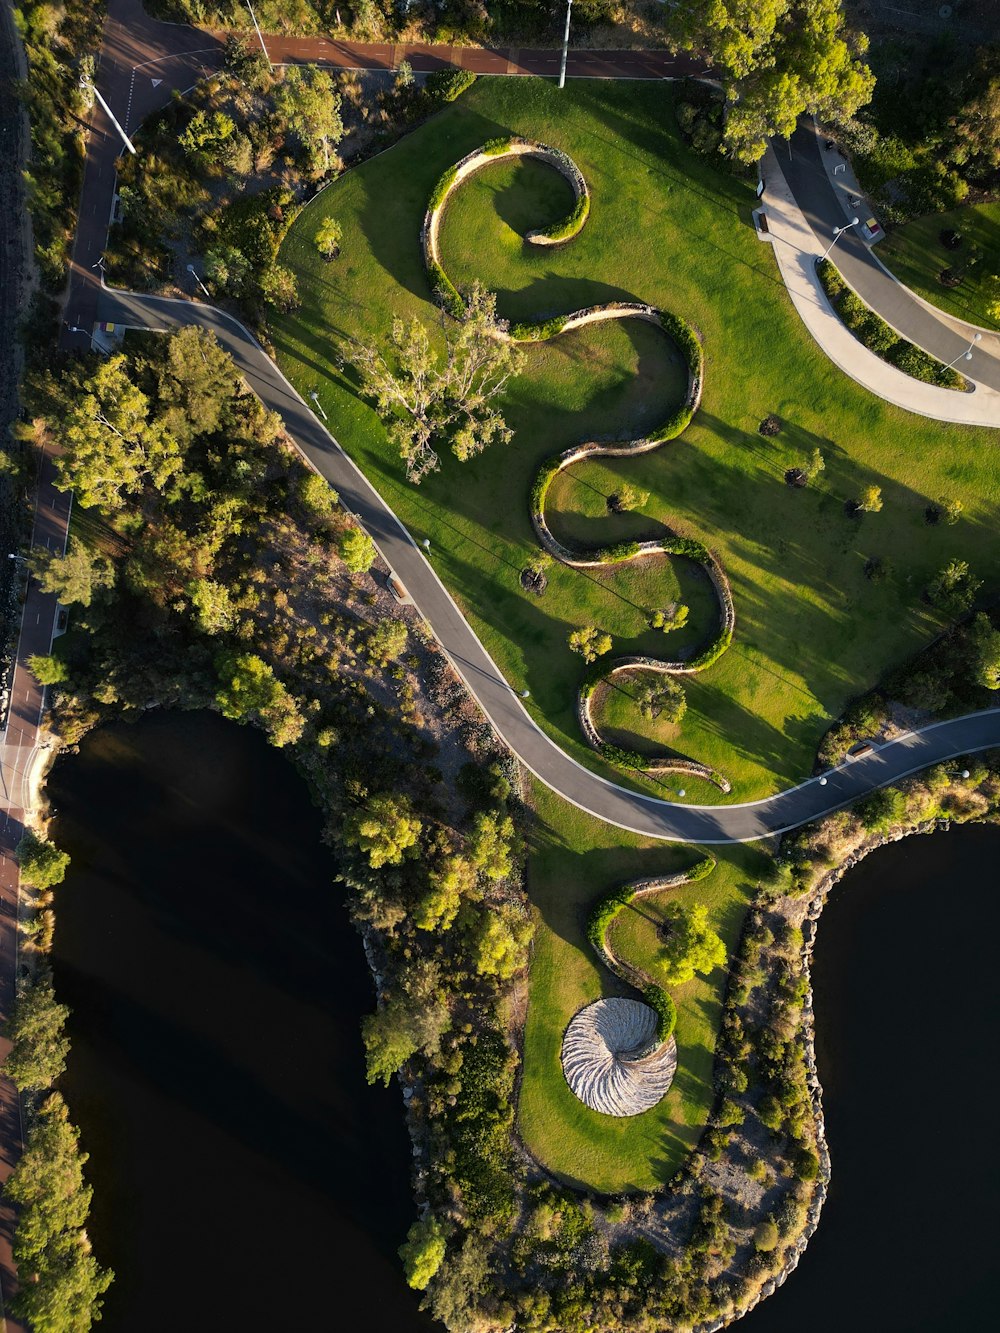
(687, 343)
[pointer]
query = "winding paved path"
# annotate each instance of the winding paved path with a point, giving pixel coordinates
(512, 721)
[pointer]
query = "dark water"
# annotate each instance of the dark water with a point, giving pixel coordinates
(906, 1006)
(245, 1175)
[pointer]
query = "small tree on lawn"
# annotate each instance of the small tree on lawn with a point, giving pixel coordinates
(627, 497)
(692, 945)
(950, 510)
(815, 465)
(674, 616)
(953, 589)
(984, 651)
(871, 500)
(328, 238)
(590, 642)
(663, 698)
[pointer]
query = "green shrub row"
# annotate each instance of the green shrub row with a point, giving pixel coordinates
(874, 333)
(538, 333)
(494, 147)
(666, 1011)
(604, 912)
(689, 548)
(570, 225)
(541, 484)
(620, 758)
(444, 85)
(685, 338)
(446, 291)
(444, 183)
(614, 555)
(712, 653)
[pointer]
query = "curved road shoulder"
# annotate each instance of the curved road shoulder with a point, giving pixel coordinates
(589, 791)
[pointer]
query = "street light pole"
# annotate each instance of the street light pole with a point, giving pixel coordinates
(967, 354)
(837, 233)
(75, 328)
(565, 46)
(191, 270)
(260, 37)
(85, 83)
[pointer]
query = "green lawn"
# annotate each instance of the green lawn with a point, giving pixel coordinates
(575, 860)
(665, 227)
(916, 256)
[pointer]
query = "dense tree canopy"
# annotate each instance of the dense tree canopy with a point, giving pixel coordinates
(42, 863)
(35, 1029)
(691, 944)
(384, 828)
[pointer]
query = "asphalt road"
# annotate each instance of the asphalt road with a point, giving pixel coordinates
(805, 172)
(505, 709)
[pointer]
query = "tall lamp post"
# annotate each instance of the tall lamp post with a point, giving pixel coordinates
(565, 46)
(86, 83)
(967, 354)
(837, 233)
(260, 38)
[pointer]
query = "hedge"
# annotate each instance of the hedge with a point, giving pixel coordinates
(712, 653)
(445, 181)
(688, 547)
(444, 85)
(494, 147)
(604, 912)
(666, 1011)
(541, 484)
(569, 226)
(538, 333)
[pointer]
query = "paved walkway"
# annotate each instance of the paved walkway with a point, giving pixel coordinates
(504, 708)
(796, 246)
(808, 173)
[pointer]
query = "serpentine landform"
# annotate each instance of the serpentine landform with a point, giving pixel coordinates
(619, 1056)
(687, 342)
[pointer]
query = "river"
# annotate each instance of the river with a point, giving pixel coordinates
(905, 991)
(245, 1175)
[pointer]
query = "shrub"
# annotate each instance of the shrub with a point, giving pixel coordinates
(536, 333)
(444, 85)
(42, 864)
(494, 147)
(570, 226)
(765, 1237)
(666, 1011)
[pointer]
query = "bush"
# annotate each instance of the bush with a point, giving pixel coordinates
(444, 85)
(570, 226)
(765, 1237)
(42, 864)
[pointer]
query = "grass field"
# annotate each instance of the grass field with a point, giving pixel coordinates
(575, 860)
(916, 256)
(667, 228)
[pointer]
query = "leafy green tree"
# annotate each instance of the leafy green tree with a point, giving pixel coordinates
(428, 404)
(765, 1237)
(42, 864)
(815, 466)
(400, 1028)
(212, 605)
(246, 61)
(250, 690)
(871, 500)
(47, 669)
(670, 617)
(953, 589)
(387, 641)
(308, 101)
(195, 384)
(316, 496)
(976, 126)
(423, 1251)
(328, 238)
(984, 652)
(227, 269)
(590, 642)
(385, 828)
(950, 510)
(357, 550)
(691, 945)
(491, 844)
(113, 445)
(627, 497)
(206, 134)
(500, 945)
(75, 576)
(882, 810)
(448, 885)
(663, 698)
(35, 1028)
(61, 1284)
(279, 288)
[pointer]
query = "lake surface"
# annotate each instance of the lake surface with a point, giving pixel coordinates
(905, 984)
(245, 1175)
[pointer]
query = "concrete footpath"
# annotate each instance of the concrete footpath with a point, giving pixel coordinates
(795, 248)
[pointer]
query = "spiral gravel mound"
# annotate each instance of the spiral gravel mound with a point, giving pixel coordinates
(612, 1060)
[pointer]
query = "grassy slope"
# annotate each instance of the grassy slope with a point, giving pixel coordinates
(576, 860)
(916, 256)
(665, 227)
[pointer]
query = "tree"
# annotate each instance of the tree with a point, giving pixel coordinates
(815, 466)
(491, 844)
(452, 881)
(328, 238)
(953, 589)
(249, 689)
(75, 576)
(883, 809)
(212, 605)
(663, 698)
(404, 76)
(48, 669)
(195, 384)
(428, 404)
(308, 101)
(227, 269)
(387, 641)
(400, 1028)
(976, 126)
(627, 497)
(871, 500)
(357, 550)
(41, 862)
(385, 828)
(61, 1282)
(691, 945)
(279, 288)
(246, 61)
(765, 1237)
(35, 1029)
(423, 1251)
(950, 510)
(206, 134)
(777, 59)
(500, 945)
(590, 642)
(316, 496)
(984, 652)
(112, 447)
(674, 616)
